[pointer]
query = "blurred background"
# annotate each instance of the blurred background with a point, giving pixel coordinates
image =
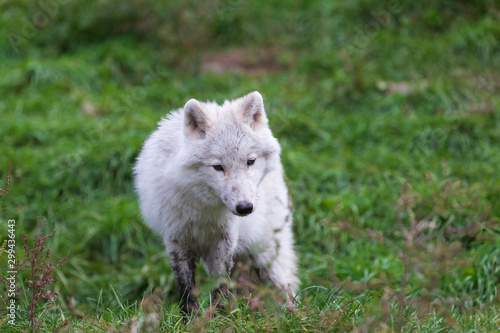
(389, 121)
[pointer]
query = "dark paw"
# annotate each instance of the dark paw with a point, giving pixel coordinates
(189, 307)
(218, 296)
(218, 305)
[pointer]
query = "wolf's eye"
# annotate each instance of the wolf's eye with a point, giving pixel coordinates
(218, 167)
(251, 161)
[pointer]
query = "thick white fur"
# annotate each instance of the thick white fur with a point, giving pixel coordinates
(193, 206)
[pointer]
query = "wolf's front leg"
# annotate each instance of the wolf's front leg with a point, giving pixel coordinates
(278, 264)
(183, 263)
(219, 263)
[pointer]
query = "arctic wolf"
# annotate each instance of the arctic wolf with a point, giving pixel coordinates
(210, 183)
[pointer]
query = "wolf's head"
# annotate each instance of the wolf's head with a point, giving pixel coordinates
(230, 150)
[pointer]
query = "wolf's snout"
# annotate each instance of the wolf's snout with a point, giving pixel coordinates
(244, 208)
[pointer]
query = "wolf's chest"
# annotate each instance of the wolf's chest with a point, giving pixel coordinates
(200, 236)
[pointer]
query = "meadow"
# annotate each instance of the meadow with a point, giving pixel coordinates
(388, 114)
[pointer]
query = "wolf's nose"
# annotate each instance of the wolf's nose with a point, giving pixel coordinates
(244, 208)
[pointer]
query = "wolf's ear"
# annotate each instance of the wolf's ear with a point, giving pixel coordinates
(253, 110)
(195, 120)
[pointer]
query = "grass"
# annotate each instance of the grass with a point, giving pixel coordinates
(388, 132)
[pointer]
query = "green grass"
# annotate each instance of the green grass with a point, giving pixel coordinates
(361, 153)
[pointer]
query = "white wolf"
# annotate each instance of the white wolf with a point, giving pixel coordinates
(211, 183)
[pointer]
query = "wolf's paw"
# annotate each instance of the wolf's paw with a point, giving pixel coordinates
(189, 308)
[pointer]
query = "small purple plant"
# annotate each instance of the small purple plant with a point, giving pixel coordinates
(37, 268)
